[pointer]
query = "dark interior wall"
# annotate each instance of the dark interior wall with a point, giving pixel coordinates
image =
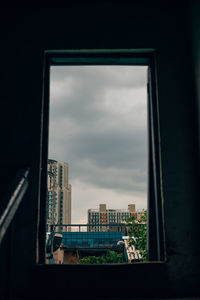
(26, 31)
(195, 41)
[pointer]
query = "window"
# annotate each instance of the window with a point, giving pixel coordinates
(129, 57)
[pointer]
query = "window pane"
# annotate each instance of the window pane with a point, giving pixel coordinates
(98, 148)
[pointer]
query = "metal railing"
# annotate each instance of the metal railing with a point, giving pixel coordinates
(16, 192)
(110, 227)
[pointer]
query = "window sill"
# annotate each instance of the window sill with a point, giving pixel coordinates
(113, 280)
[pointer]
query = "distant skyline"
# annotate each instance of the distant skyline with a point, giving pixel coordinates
(98, 125)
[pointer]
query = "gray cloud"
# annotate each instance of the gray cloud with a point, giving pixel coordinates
(104, 76)
(78, 91)
(105, 149)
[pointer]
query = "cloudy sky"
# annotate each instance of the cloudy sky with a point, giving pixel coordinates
(98, 125)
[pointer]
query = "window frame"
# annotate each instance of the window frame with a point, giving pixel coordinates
(140, 57)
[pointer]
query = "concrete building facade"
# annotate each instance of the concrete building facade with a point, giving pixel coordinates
(109, 216)
(59, 194)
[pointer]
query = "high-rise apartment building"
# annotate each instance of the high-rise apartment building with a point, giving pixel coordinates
(59, 194)
(105, 216)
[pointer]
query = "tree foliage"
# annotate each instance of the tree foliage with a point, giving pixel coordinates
(110, 258)
(137, 232)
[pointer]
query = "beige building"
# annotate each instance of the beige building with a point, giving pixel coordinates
(59, 194)
(108, 216)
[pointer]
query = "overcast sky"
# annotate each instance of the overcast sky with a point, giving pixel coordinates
(98, 125)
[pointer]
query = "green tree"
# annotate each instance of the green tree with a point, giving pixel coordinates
(137, 232)
(110, 258)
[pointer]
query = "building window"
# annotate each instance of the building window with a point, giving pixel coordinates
(128, 57)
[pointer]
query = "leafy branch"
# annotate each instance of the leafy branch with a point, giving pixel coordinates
(110, 258)
(137, 232)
